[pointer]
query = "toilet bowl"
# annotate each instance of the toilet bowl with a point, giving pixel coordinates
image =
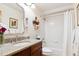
(47, 51)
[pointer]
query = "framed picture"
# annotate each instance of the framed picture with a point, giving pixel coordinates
(13, 23)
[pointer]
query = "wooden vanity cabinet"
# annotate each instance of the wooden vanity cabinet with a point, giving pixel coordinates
(34, 50)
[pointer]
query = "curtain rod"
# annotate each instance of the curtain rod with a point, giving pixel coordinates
(57, 12)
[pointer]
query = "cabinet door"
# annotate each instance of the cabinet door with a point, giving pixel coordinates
(25, 52)
(37, 53)
(36, 50)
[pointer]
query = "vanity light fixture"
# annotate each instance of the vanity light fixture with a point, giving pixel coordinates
(29, 3)
(32, 5)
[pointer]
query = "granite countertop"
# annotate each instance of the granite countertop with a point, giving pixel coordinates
(10, 49)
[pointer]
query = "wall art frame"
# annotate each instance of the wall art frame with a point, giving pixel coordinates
(13, 23)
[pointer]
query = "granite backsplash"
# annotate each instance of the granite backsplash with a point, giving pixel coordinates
(9, 40)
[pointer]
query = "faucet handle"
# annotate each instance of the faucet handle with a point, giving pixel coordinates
(28, 37)
(11, 41)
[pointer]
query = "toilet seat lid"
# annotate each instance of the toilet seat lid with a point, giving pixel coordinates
(47, 49)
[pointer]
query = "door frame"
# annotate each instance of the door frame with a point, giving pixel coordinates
(76, 39)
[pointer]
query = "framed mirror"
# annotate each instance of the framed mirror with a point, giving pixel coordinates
(77, 14)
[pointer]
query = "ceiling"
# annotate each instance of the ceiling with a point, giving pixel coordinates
(14, 5)
(43, 7)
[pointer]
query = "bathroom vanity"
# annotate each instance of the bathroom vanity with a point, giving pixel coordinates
(34, 50)
(25, 48)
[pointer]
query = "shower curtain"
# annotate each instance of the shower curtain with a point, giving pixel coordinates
(69, 32)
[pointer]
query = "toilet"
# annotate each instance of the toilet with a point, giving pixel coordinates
(47, 51)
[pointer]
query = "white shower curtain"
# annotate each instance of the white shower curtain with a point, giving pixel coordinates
(68, 32)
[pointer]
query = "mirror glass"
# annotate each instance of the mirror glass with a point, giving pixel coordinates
(12, 18)
(78, 15)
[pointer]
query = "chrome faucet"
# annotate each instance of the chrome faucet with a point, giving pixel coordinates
(16, 38)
